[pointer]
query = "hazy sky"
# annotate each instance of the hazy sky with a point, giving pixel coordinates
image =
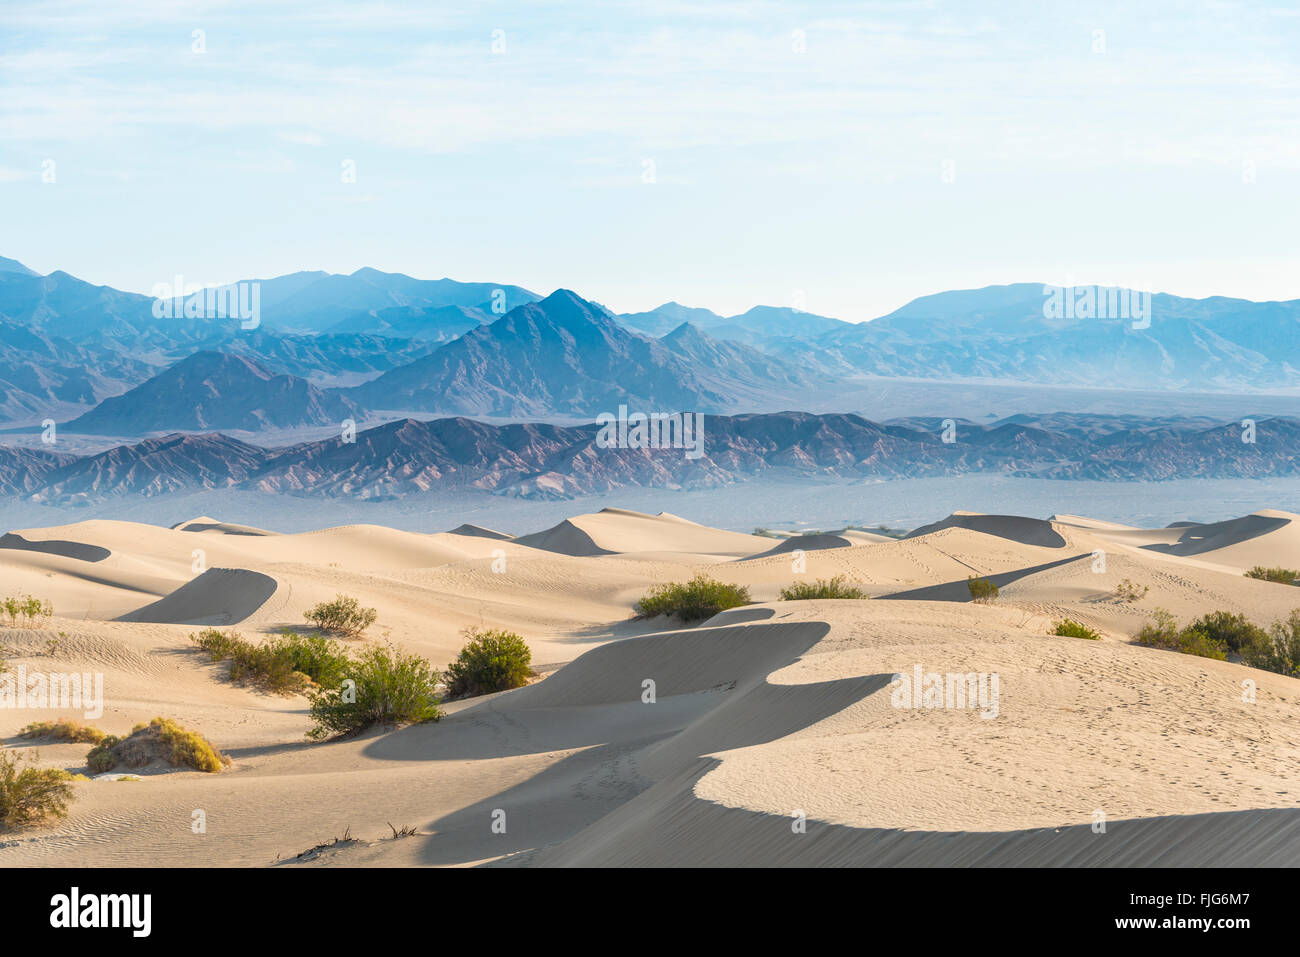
(859, 154)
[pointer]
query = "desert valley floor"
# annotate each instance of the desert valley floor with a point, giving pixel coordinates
(762, 713)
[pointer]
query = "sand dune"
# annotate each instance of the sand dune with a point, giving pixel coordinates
(819, 540)
(856, 536)
(205, 524)
(220, 596)
(621, 531)
(478, 531)
(669, 825)
(78, 550)
(1082, 521)
(1026, 531)
(1268, 537)
(759, 713)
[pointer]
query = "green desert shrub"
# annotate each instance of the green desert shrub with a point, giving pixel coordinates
(383, 686)
(219, 645)
(1283, 576)
(493, 660)
(29, 795)
(1069, 628)
(837, 587)
(32, 610)
(1128, 591)
(344, 615)
(700, 598)
(1278, 650)
(1161, 633)
(1165, 633)
(160, 740)
(64, 729)
(1194, 641)
(288, 664)
(1234, 632)
(981, 589)
(37, 609)
(100, 759)
(321, 659)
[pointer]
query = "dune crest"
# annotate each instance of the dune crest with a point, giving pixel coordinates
(1026, 531)
(623, 531)
(219, 596)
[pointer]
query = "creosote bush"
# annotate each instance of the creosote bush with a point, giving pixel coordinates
(100, 759)
(1278, 650)
(29, 795)
(981, 589)
(219, 645)
(700, 598)
(160, 740)
(493, 660)
(1220, 632)
(1282, 576)
(289, 664)
(64, 729)
(1165, 633)
(1234, 632)
(344, 615)
(837, 587)
(383, 686)
(1069, 628)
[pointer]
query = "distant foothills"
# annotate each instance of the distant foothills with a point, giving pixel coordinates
(446, 456)
(312, 349)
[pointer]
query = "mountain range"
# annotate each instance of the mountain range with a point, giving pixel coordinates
(374, 345)
(568, 356)
(410, 457)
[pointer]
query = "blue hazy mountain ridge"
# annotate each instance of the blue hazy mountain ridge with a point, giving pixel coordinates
(215, 390)
(738, 363)
(14, 266)
(560, 352)
(333, 299)
(321, 358)
(664, 319)
(426, 323)
(39, 371)
(65, 306)
(564, 355)
(64, 341)
(443, 346)
(410, 457)
(761, 326)
(1002, 332)
(300, 302)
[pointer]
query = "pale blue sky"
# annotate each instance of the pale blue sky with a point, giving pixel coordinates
(1078, 157)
